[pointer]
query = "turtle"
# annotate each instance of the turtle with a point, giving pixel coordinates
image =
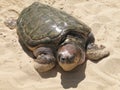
(56, 37)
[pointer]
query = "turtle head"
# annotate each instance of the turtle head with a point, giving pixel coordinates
(70, 55)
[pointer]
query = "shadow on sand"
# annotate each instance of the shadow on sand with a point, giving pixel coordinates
(72, 78)
(69, 79)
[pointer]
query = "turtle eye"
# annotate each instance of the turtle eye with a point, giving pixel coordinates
(42, 52)
(71, 58)
(61, 58)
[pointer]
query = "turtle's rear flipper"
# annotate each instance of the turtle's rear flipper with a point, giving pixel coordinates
(95, 52)
(11, 23)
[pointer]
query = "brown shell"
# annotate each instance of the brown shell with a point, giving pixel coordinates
(41, 24)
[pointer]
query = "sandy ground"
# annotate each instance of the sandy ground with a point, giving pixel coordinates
(17, 72)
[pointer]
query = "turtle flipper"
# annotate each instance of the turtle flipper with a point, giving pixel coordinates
(95, 52)
(45, 59)
(11, 23)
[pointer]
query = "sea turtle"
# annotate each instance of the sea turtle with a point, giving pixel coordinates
(56, 37)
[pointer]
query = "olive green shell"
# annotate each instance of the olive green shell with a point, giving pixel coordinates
(41, 24)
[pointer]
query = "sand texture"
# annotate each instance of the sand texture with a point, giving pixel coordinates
(17, 72)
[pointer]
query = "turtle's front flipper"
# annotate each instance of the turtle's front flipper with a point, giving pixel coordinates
(45, 59)
(95, 52)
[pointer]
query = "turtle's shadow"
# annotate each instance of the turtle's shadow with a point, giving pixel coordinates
(69, 79)
(73, 78)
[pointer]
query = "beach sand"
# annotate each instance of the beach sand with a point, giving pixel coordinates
(17, 72)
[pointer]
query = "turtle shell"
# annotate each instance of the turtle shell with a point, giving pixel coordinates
(41, 24)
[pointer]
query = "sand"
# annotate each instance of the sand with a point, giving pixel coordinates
(17, 72)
